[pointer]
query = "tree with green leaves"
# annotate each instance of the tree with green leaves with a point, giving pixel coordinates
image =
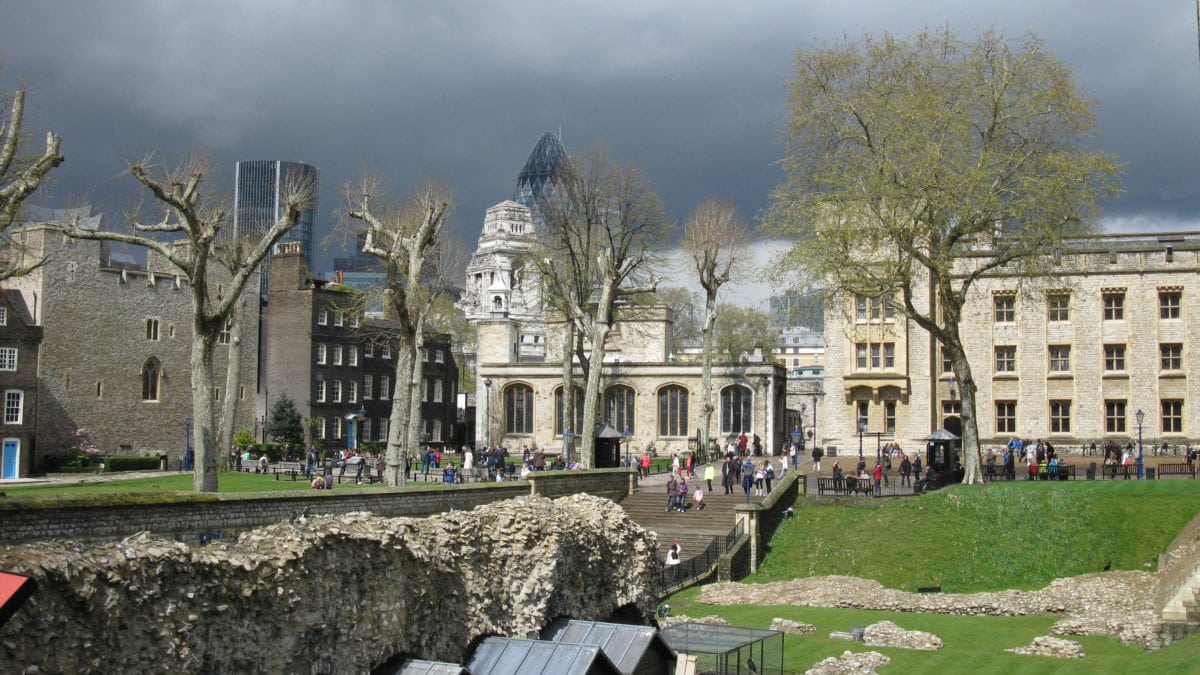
(906, 154)
(738, 331)
(285, 425)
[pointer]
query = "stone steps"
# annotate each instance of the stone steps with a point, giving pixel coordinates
(694, 529)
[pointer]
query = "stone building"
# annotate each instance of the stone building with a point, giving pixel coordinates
(116, 344)
(339, 369)
(20, 341)
(1070, 357)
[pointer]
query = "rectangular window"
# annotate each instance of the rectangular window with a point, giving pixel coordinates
(439, 357)
(337, 428)
(950, 408)
(424, 391)
(1114, 357)
(425, 355)
(320, 431)
(889, 416)
(320, 353)
(385, 352)
(1060, 358)
(860, 355)
(226, 334)
(1058, 307)
(876, 356)
(1114, 306)
(152, 329)
(437, 391)
(1169, 304)
(1170, 356)
(1060, 417)
(354, 324)
(368, 351)
(436, 434)
(1006, 359)
(947, 365)
(336, 390)
(1005, 307)
(365, 428)
(385, 388)
(8, 358)
(353, 355)
(1114, 416)
(383, 429)
(1006, 417)
(339, 319)
(1172, 416)
(860, 308)
(337, 355)
(320, 391)
(352, 391)
(368, 387)
(322, 318)
(882, 355)
(889, 355)
(14, 405)
(3, 316)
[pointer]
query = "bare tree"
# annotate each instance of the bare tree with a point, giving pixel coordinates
(190, 212)
(602, 225)
(406, 239)
(19, 178)
(715, 236)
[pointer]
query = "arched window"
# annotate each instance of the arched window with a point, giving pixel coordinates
(559, 427)
(151, 379)
(518, 409)
(618, 407)
(736, 411)
(672, 411)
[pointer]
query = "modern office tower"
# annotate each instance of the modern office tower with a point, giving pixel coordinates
(257, 186)
(538, 178)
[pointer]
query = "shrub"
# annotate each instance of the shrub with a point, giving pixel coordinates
(131, 464)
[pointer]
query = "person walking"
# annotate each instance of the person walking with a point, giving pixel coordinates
(817, 453)
(727, 473)
(671, 485)
(748, 478)
(710, 472)
(768, 474)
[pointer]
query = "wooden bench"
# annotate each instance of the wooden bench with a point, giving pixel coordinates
(1177, 469)
(849, 485)
(1117, 471)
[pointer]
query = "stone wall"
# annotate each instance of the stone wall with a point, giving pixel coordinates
(185, 516)
(328, 594)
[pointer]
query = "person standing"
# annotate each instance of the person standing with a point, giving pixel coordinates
(916, 466)
(671, 485)
(675, 464)
(710, 472)
(817, 453)
(905, 470)
(742, 440)
(727, 475)
(747, 478)
(646, 463)
(878, 477)
(768, 474)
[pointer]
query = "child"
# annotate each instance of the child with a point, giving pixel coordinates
(698, 498)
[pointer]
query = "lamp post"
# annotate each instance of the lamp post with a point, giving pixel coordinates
(628, 436)
(812, 433)
(568, 436)
(1141, 469)
(862, 429)
(797, 436)
(487, 412)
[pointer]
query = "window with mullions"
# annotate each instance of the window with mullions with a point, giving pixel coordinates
(151, 380)
(1169, 304)
(737, 410)
(518, 409)
(1060, 358)
(618, 408)
(1060, 417)
(1004, 308)
(1114, 416)
(1006, 417)
(1114, 357)
(1114, 306)
(672, 411)
(1006, 359)
(1172, 416)
(1170, 356)
(559, 425)
(1058, 307)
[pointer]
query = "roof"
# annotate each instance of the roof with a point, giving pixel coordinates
(702, 638)
(514, 656)
(941, 435)
(420, 667)
(625, 645)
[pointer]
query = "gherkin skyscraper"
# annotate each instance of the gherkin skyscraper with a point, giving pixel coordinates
(537, 180)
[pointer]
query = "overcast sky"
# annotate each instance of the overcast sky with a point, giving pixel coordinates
(693, 91)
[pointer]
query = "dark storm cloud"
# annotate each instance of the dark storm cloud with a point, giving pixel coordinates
(691, 91)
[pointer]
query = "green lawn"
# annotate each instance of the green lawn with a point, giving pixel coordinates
(228, 481)
(1011, 535)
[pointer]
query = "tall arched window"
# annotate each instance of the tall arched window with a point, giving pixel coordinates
(672, 411)
(518, 409)
(151, 379)
(736, 410)
(618, 408)
(559, 427)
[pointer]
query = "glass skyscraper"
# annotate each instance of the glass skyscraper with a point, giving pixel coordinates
(537, 180)
(257, 185)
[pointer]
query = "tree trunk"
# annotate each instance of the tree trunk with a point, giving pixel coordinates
(203, 441)
(398, 421)
(591, 395)
(972, 462)
(568, 380)
(414, 387)
(706, 406)
(233, 376)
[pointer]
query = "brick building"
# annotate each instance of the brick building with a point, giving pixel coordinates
(116, 344)
(20, 340)
(1069, 357)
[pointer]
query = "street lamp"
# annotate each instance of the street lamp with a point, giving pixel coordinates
(628, 436)
(1141, 469)
(487, 412)
(862, 429)
(797, 436)
(816, 395)
(568, 436)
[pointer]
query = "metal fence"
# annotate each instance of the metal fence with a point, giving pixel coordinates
(672, 578)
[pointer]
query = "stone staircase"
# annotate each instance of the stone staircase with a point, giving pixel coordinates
(694, 529)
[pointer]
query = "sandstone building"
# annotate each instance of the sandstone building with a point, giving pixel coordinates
(1069, 357)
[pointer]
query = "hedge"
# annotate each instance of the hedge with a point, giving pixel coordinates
(131, 464)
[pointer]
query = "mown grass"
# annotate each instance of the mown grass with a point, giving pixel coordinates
(1013, 535)
(965, 539)
(971, 644)
(227, 481)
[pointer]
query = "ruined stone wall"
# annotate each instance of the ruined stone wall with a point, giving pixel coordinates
(328, 594)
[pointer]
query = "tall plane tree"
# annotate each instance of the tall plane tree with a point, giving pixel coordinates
(906, 153)
(197, 219)
(715, 237)
(20, 176)
(602, 224)
(406, 239)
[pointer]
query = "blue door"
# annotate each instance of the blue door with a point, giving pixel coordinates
(12, 450)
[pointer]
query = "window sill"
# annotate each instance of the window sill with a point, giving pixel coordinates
(1060, 376)
(1173, 375)
(1115, 375)
(1006, 376)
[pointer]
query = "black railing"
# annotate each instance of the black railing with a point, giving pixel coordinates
(672, 578)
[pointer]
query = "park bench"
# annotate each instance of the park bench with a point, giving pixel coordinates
(1117, 471)
(826, 485)
(850, 485)
(1177, 469)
